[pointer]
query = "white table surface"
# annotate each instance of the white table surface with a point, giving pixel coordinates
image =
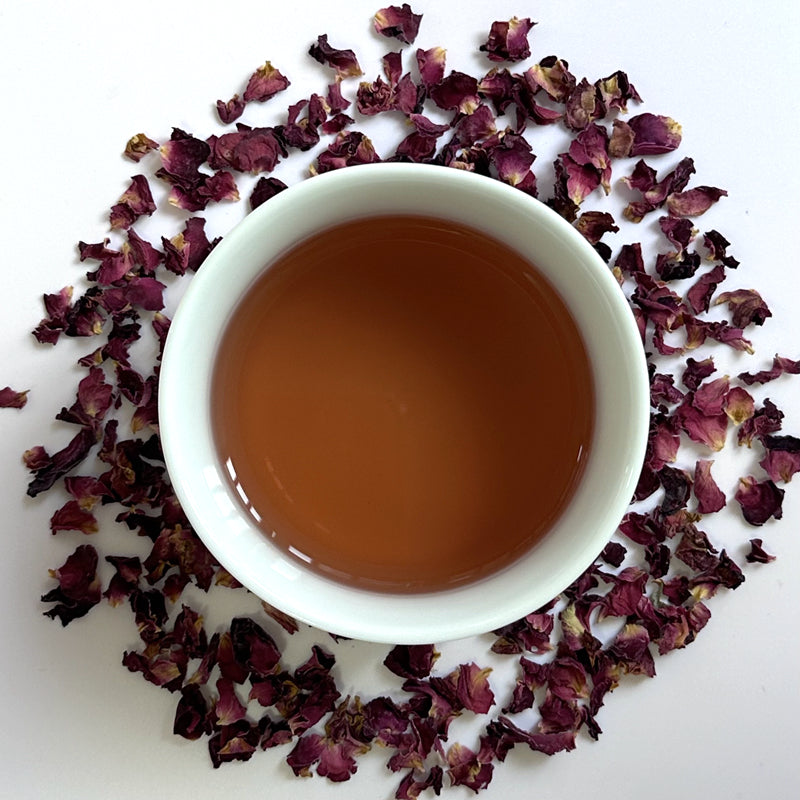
(720, 720)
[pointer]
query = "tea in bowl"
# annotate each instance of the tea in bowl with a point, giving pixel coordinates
(404, 403)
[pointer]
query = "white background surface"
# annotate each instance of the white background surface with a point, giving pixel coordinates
(721, 717)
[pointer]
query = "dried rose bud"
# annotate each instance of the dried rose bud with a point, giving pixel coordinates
(398, 22)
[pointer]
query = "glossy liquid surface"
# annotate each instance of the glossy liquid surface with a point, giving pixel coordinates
(403, 403)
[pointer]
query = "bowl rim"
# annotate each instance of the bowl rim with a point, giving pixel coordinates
(217, 517)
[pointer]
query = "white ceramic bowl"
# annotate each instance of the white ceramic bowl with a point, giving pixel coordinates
(590, 292)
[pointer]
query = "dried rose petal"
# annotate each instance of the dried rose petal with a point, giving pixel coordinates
(398, 22)
(412, 785)
(10, 398)
(431, 65)
(707, 429)
(780, 365)
(710, 497)
(782, 459)
(235, 742)
(138, 146)
(529, 634)
(229, 111)
(471, 685)
(699, 295)
(747, 306)
(192, 714)
(48, 470)
(739, 405)
(464, 768)
(135, 201)
(553, 75)
(654, 192)
(288, 623)
(264, 84)
(182, 155)
(125, 579)
(677, 484)
(583, 106)
(411, 661)
(595, 224)
(246, 150)
(348, 149)
(717, 246)
(757, 554)
(679, 231)
(764, 421)
(694, 202)
(508, 41)
(759, 500)
(653, 134)
(697, 371)
(616, 90)
(78, 589)
(457, 92)
(512, 157)
(73, 517)
(344, 62)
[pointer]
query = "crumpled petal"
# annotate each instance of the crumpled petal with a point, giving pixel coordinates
(508, 41)
(759, 500)
(398, 22)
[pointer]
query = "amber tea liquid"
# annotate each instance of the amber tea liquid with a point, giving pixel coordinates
(403, 403)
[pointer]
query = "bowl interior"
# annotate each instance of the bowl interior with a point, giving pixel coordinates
(589, 291)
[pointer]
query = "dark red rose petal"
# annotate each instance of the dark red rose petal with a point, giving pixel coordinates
(710, 497)
(78, 589)
(782, 459)
(694, 202)
(343, 62)
(508, 41)
(457, 92)
(135, 201)
(780, 365)
(398, 22)
(10, 398)
(411, 661)
(759, 500)
(264, 84)
(757, 554)
(431, 65)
